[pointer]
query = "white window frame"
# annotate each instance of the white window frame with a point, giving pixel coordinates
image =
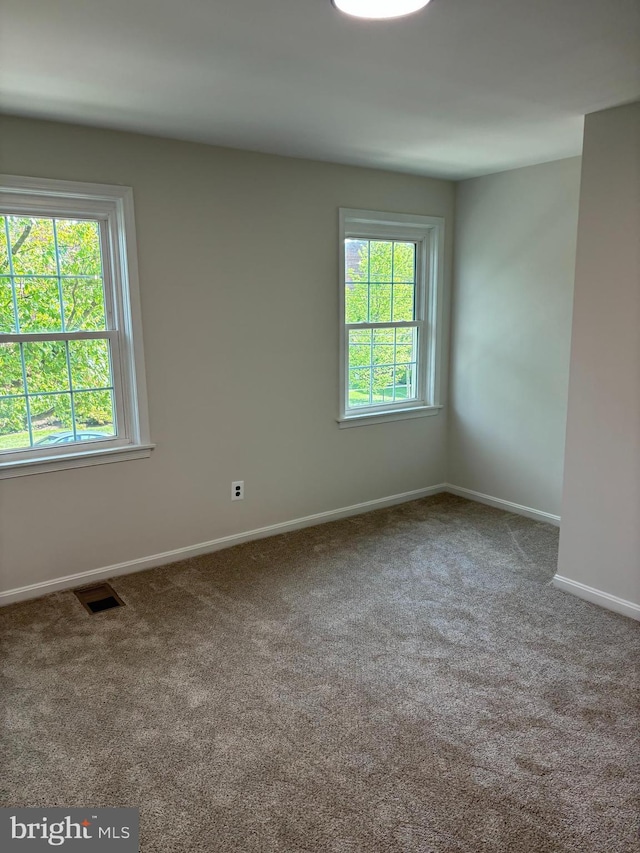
(427, 232)
(113, 207)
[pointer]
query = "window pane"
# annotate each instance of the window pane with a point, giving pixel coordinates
(14, 432)
(41, 273)
(381, 253)
(359, 355)
(79, 247)
(371, 267)
(356, 260)
(356, 303)
(383, 336)
(406, 345)
(360, 336)
(360, 348)
(380, 304)
(95, 414)
(401, 387)
(7, 319)
(90, 364)
(382, 384)
(412, 380)
(359, 387)
(405, 381)
(38, 302)
(83, 304)
(32, 245)
(46, 365)
(10, 370)
(405, 336)
(4, 254)
(383, 354)
(403, 303)
(404, 354)
(51, 416)
(382, 365)
(404, 262)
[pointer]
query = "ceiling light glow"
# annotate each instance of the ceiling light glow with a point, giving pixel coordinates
(379, 9)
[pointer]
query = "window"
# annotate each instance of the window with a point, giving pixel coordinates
(72, 388)
(390, 295)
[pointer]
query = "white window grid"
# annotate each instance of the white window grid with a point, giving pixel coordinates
(109, 334)
(427, 234)
(411, 367)
(112, 208)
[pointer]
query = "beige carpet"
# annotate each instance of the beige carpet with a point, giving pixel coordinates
(403, 681)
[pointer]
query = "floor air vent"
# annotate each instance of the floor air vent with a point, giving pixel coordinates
(94, 599)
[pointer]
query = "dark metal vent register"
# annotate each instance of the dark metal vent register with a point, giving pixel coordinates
(95, 599)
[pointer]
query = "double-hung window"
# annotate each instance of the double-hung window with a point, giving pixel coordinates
(72, 388)
(390, 302)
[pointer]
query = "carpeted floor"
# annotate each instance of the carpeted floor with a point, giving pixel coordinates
(406, 680)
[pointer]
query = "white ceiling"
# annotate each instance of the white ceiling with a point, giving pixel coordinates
(465, 87)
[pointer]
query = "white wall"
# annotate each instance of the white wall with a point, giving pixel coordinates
(600, 537)
(238, 272)
(513, 284)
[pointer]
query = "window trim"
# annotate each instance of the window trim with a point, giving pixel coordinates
(112, 205)
(428, 234)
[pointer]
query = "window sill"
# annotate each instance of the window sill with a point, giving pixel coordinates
(386, 417)
(74, 460)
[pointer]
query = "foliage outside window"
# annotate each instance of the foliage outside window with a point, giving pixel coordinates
(71, 381)
(390, 283)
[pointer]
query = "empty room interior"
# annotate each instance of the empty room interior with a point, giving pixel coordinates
(320, 426)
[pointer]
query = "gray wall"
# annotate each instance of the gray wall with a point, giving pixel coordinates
(238, 273)
(600, 536)
(514, 271)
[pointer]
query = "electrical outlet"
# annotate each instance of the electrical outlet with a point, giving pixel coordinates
(237, 490)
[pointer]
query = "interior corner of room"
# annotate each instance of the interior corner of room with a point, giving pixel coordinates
(535, 342)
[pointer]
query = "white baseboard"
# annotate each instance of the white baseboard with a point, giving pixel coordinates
(36, 590)
(509, 506)
(597, 596)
